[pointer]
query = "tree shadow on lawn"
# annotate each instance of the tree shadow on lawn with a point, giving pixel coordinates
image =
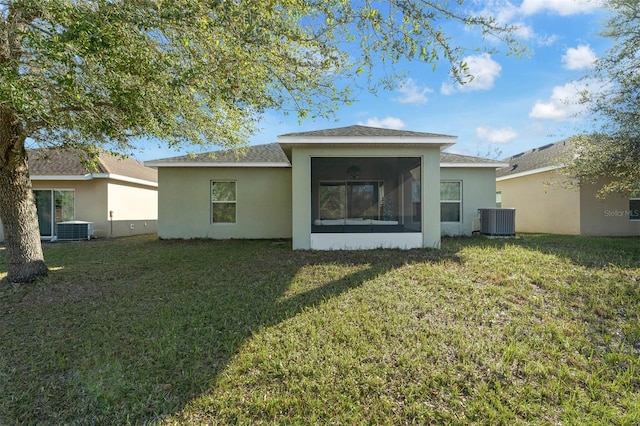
(130, 333)
(589, 252)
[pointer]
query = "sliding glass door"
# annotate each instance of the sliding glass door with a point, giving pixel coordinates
(350, 200)
(53, 206)
(44, 206)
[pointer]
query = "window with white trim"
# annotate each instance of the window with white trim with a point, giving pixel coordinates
(223, 202)
(498, 199)
(634, 208)
(450, 201)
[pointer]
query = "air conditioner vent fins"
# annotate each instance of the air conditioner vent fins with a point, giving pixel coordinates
(74, 230)
(498, 222)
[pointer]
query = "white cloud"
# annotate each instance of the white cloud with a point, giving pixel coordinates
(503, 135)
(386, 123)
(524, 31)
(560, 7)
(564, 103)
(579, 58)
(484, 71)
(507, 13)
(547, 40)
(412, 93)
(447, 89)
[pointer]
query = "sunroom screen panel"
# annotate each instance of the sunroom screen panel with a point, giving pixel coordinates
(371, 194)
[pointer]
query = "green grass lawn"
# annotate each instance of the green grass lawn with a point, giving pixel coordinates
(537, 329)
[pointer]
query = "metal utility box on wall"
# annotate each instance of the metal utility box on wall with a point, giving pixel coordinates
(74, 230)
(498, 222)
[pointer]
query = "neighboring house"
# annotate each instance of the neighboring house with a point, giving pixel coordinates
(346, 188)
(549, 202)
(120, 196)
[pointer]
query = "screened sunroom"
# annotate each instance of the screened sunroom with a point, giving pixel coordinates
(365, 195)
(361, 187)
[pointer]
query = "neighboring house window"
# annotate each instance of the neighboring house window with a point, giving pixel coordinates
(53, 206)
(450, 201)
(498, 199)
(223, 202)
(634, 209)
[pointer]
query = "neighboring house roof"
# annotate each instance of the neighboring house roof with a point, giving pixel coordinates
(272, 155)
(536, 160)
(65, 164)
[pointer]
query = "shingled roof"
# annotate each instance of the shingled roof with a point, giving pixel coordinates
(366, 131)
(267, 155)
(60, 163)
(272, 155)
(454, 159)
(538, 159)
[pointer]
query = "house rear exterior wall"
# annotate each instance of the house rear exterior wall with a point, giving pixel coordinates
(263, 202)
(606, 217)
(543, 203)
(134, 207)
(478, 191)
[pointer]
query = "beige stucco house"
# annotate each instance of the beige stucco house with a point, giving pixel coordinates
(547, 201)
(347, 188)
(119, 196)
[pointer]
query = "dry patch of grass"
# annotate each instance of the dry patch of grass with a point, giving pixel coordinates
(537, 329)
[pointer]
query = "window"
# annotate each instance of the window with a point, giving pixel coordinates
(450, 201)
(53, 206)
(223, 202)
(634, 209)
(498, 199)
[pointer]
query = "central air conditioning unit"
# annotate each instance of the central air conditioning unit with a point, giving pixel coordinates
(498, 222)
(74, 230)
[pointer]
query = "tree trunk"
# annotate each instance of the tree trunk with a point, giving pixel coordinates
(25, 261)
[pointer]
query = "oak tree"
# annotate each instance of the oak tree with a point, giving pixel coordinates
(610, 156)
(108, 74)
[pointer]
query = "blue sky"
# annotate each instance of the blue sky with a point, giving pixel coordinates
(512, 105)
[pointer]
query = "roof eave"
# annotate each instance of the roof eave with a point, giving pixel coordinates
(443, 142)
(91, 176)
(88, 176)
(475, 165)
(528, 173)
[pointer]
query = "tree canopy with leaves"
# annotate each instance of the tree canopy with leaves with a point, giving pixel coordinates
(104, 74)
(611, 156)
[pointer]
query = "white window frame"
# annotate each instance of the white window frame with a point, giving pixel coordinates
(632, 211)
(453, 201)
(234, 202)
